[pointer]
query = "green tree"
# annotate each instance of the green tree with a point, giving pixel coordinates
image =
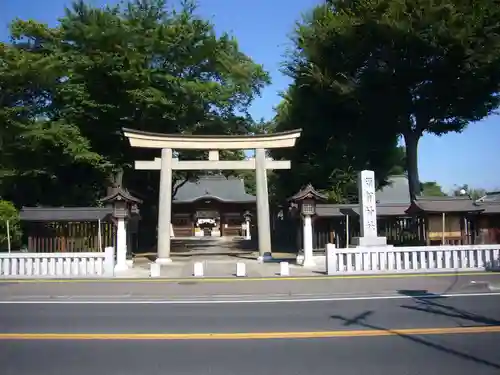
(9, 214)
(34, 148)
(338, 139)
(400, 165)
(474, 193)
(413, 66)
(332, 147)
(140, 65)
(431, 189)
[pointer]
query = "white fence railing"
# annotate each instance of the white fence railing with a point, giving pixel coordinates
(57, 265)
(412, 259)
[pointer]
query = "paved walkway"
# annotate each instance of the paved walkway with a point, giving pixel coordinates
(219, 256)
(220, 266)
(238, 289)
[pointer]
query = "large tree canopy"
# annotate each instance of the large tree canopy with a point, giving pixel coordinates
(34, 148)
(139, 65)
(407, 66)
(339, 136)
(333, 146)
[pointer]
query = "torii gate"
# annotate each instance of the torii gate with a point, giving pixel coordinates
(166, 164)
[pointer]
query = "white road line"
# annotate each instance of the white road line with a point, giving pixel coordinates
(234, 301)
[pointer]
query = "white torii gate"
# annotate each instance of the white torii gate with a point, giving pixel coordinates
(166, 164)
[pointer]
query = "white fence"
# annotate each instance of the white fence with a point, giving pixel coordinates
(412, 259)
(57, 265)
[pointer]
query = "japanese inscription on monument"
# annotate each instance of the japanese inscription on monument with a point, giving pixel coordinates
(367, 204)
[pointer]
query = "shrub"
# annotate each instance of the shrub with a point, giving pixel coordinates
(8, 212)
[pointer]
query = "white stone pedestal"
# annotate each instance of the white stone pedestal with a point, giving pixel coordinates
(241, 270)
(198, 269)
(308, 242)
(331, 259)
(368, 241)
(154, 270)
(284, 269)
(121, 245)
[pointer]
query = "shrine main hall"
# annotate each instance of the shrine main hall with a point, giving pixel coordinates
(213, 206)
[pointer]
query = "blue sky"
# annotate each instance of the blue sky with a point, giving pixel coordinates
(262, 28)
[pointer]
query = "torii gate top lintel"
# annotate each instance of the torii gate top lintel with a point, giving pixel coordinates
(138, 138)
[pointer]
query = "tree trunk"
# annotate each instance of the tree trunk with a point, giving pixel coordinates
(118, 178)
(177, 186)
(115, 180)
(411, 143)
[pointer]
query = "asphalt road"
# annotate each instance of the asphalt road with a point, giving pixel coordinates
(250, 317)
(433, 355)
(353, 354)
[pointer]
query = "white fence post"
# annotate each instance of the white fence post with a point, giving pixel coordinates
(154, 270)
(331, 259)
(241, 269)
(8, 236)
(198, 269)
(109, 261)
(284, 269)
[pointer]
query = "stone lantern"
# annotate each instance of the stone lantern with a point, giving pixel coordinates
(247, 215)
(308, 207)
(306, 200)
(123, 205)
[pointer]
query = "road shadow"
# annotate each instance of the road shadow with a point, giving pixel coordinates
(360, 320)
(430, 304)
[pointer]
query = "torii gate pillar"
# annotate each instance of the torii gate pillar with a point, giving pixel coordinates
(165, 208)
(263, 224)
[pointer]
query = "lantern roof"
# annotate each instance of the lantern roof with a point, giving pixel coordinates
(120, 194)
(308, 192)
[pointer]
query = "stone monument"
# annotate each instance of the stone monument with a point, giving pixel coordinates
(368, 212)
